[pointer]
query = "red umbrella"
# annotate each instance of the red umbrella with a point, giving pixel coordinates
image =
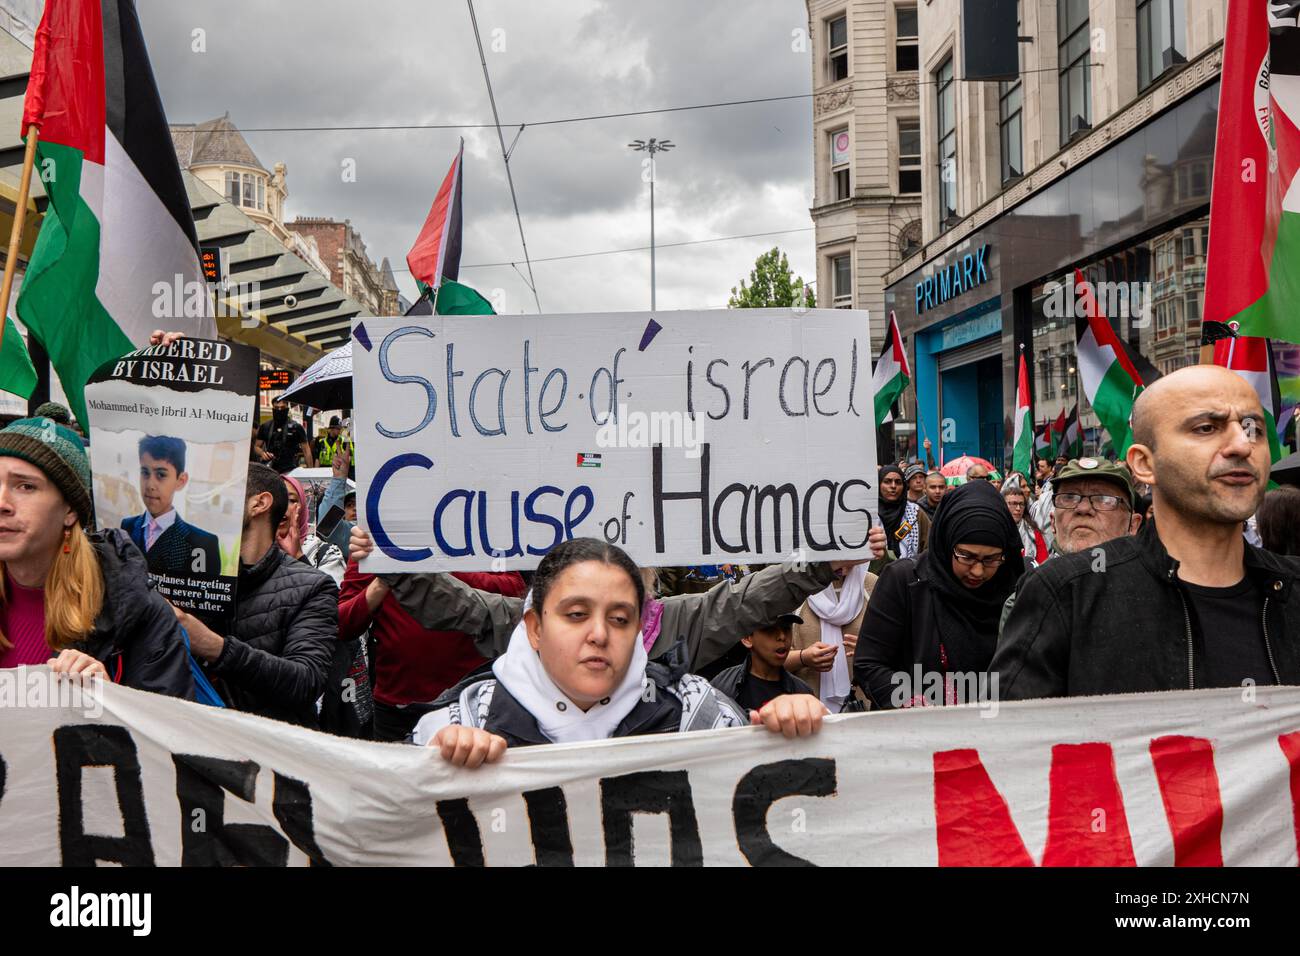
(957, 468)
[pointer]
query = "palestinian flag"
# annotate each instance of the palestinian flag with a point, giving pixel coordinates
(1112, 374)
(436, 253)
(1252, 285)
(892, 373)
(1252, 358)
(118, 222)
(1022, 457)
(1043, 441)
(1072, 437)
(1054, 433)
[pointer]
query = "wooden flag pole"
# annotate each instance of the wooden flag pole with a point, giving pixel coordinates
(16, 234)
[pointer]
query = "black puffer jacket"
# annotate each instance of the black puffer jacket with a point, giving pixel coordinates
(285, 635)
(136, 635)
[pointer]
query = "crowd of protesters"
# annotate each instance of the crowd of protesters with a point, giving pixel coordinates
(1087, 577)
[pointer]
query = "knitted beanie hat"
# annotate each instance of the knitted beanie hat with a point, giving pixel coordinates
(58, 452)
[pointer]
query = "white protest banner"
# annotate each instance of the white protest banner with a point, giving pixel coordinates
(684, 437)
(1188, 777)
(170, 429)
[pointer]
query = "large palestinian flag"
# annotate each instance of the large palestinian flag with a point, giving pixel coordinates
(1022, 457)
(892, 373)
(1112, 374)
(118, 222)
(1252, 282)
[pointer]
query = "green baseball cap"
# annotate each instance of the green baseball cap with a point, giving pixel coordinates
(1102, 470)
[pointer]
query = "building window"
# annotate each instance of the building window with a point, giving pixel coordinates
(1075, 66)
(946, 112)
(842, 282)
(905, 39)
(909, 156)
(1161, 38)
(1193, 181)
(1011, 101)
(840, 155)
(837, 45)
(261, 193)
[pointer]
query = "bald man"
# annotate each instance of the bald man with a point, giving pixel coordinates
(1186, 603)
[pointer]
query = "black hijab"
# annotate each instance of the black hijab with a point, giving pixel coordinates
(973, 513)
(891, 512)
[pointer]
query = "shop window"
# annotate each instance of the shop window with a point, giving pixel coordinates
(1074, 57)
(1161, 38)
(842, 282)
(905, 39)
(837, 49)
(909, 156)
(946, 114)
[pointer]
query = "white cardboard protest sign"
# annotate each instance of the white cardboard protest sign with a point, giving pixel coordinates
(684, 437)
(1193, 777)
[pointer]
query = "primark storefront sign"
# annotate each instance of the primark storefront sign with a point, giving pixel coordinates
(963, 275)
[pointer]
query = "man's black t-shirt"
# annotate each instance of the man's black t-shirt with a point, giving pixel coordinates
(1232, 634)
(754, 693)
(284, 442)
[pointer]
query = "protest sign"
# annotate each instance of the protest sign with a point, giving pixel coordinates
(170, 429)
(1185, 777)
(683, 437)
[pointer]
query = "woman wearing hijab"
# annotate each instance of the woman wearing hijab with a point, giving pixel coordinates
(907, 527)
(576, 669)
(936, 616)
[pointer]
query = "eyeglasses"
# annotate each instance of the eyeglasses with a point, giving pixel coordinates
(969, 560)
(1070, 500)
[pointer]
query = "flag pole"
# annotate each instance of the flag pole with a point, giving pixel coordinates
(16, 234)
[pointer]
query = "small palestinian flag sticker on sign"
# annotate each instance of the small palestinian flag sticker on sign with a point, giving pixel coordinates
(588, 460)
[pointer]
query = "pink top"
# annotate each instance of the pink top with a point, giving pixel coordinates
(23, 621)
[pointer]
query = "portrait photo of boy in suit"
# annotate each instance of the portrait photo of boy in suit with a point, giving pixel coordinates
(171, 545)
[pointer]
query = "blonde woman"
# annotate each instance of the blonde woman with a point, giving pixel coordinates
(79, 602)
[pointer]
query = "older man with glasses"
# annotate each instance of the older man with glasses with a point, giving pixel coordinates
(1092, 501)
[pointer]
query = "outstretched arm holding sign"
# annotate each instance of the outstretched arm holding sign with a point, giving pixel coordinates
(711, 622)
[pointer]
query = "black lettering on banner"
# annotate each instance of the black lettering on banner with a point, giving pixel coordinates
(291, 805)
(813, 543)
(463, 837)
(206, 839)
(654, 791)
(91, 745)
(660, 496)
(762, 787)
(548, 825)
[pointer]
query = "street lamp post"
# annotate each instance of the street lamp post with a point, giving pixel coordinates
(652, 146)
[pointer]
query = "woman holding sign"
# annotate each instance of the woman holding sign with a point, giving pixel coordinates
(576, 669)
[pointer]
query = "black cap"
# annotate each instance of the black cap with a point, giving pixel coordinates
(781, 622)
(335, 422)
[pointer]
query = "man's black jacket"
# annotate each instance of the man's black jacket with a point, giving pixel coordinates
(285, 636)
(1116, 620)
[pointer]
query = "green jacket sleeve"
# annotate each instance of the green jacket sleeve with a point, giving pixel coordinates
(714, 621)
(440, 602)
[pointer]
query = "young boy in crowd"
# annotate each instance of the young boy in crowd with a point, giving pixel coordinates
(171, 545)
(755, 681)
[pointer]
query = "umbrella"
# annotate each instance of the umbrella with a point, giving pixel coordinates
(955, 470)
(328, 383)
(1287, 471)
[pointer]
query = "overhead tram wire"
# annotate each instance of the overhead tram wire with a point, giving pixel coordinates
(505, 155)
(595, 117)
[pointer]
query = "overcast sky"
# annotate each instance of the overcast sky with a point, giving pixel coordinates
(737, 170)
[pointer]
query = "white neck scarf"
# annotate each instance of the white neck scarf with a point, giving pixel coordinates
(519, 670)
(834, 611)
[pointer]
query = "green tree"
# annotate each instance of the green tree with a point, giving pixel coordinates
(771, 285)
